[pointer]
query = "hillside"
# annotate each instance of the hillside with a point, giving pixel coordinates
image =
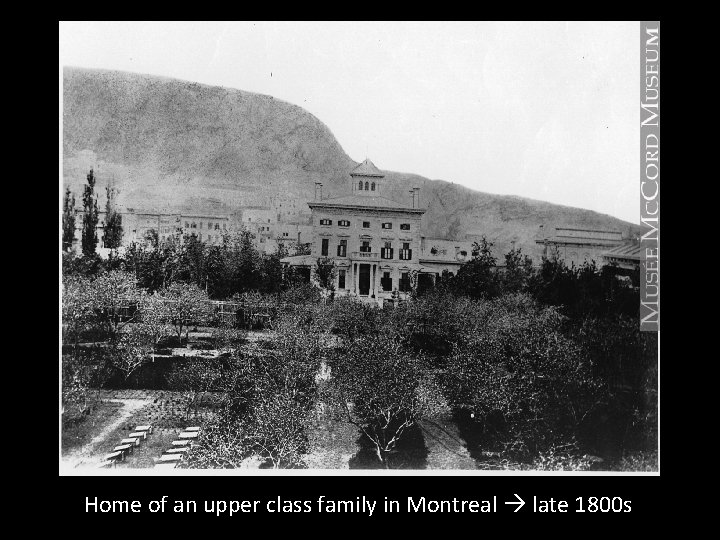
(171, 144)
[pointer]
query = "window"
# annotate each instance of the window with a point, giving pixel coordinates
(404, 282)
(343, 223)
(187, 225)
(387, 225)
(217, 226)
(360, 185)
(193, 225)
(366, 186)
(406, 252)
(325, 244)
(386, 282)
(387, 251)
(201, 224)
(325, 222)
(342, 249)
(404, 226)
(366, 224)
(341, 279)
(372, 186)
(224, 227)
(365, 247)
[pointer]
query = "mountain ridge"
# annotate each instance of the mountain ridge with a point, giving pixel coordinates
(173, 143)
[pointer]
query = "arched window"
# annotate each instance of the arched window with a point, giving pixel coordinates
(372, 186)
(366, 186)
(360, 185)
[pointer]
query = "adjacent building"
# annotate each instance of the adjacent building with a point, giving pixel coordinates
(136, 225)
(575, 245)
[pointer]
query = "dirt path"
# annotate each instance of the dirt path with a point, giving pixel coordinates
(446, 448)
(86, 455)
(332, 441)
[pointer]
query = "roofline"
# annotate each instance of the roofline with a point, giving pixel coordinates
(580, 241)
(442, 261)
(318, 204)
(617, 256)
(372, 175)
(587, 230)
(124, 211)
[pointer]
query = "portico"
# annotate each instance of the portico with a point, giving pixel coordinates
(365, 278)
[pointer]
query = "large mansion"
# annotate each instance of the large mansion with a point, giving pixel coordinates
(375, 242)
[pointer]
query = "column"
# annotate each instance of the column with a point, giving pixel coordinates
(356, 277)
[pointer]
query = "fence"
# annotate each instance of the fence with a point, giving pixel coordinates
(251, 314)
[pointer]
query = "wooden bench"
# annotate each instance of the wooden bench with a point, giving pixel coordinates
(182, 443)
(131, 440)
(191, 435)
(171, 457)
(194, 428)
(124, 448)
(147, 428)
(142, 435)
(179, 450)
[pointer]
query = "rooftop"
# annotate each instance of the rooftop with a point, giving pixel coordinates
(625, 251)
(364, 201)
(367, 168)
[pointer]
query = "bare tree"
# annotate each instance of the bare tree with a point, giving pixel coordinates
(186, 304)
(382, 390)
(278, 430)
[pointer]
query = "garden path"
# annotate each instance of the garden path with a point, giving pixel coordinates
(86, 456)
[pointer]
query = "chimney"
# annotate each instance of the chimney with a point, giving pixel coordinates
(318, 185)
(417, 190)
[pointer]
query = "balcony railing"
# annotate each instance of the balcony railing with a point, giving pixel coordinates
(366, 255)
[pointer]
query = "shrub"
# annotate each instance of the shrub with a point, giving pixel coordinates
(522, 379)
(640, 462)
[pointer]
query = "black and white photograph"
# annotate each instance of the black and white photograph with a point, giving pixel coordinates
(358, 248)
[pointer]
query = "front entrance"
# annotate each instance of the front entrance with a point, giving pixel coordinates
(364, 279)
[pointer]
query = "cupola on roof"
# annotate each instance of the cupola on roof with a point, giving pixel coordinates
(367, 168)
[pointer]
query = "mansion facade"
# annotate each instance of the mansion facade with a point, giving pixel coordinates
(374, 242)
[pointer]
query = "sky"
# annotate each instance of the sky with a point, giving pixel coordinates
(545, 110)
